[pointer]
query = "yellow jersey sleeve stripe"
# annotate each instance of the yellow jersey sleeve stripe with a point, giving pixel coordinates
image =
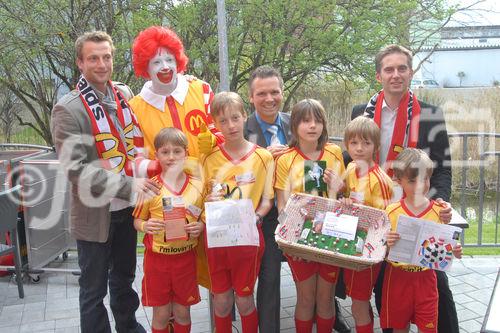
(138, 206)
(386, 192)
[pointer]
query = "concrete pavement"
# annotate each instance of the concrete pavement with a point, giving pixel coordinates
(51, 305)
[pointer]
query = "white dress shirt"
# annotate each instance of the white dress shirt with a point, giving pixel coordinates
(387, 122)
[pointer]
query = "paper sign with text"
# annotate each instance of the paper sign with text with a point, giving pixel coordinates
(342, 226)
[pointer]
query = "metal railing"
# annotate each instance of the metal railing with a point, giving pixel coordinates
(481, 160)
(466, 160)
(496, 154)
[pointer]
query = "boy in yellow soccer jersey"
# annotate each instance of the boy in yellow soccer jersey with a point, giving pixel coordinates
(237, 164)
(413, 170)
(366, 184)
(169, 284)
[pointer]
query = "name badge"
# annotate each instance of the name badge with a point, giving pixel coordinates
(245, 178)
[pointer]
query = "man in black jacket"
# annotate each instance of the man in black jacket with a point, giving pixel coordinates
(433, 139)
(406, 122)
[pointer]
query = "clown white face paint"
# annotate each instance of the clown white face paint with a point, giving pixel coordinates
(162, 70)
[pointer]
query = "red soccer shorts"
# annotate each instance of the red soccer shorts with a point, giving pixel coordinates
(303, 270)
(409, 297)
(235, 267)
(169, 278)
(359, 284)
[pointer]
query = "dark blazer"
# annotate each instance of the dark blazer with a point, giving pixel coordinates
(433, 139)
(253, 133)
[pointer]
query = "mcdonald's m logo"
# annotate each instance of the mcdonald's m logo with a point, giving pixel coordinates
(193, 121)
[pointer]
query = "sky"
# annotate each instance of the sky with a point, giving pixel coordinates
(483, 12)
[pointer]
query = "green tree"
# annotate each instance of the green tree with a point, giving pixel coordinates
(37, 47)
(8, 111)
(307, 40)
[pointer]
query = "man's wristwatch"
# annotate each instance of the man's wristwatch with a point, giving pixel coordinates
(260, 219)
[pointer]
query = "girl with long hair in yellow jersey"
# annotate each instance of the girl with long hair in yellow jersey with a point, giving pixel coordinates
(315, 282)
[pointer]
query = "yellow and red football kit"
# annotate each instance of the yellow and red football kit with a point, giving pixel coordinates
(418, 285)
(170, 266)
(252, 174)
(373, 189)
(289, 177)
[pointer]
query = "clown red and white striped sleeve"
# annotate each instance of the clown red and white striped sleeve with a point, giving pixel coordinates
(208, 96)
(144, 167)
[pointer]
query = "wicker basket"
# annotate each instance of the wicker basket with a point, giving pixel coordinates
(302, 206)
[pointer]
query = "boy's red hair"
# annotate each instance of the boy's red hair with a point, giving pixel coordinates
(147, 43)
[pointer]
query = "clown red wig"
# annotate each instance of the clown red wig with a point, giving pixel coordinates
(146, 46)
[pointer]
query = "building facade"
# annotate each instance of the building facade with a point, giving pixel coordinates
(465, 56)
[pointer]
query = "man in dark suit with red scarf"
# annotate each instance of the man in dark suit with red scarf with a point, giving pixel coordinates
(406, 122)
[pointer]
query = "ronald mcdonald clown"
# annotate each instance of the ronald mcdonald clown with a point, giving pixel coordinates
(168, 99)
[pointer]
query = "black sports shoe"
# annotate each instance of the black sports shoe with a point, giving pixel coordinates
(341, 325)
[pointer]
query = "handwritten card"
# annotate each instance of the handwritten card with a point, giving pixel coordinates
(231, 223)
